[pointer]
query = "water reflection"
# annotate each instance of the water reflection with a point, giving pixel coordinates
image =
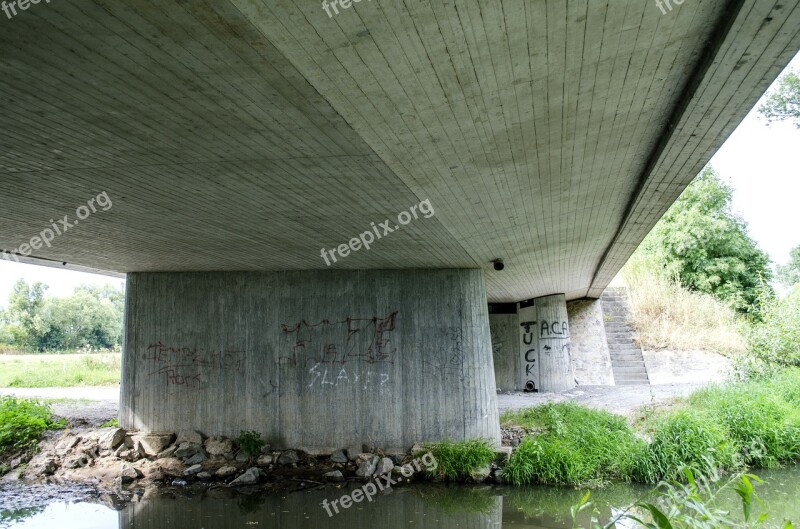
(443, 507)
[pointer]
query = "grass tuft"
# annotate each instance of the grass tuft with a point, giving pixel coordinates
(22, 422)
(457, 461)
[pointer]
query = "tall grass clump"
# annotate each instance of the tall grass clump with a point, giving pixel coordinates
(22, 423)
(458, 461)
(686, 439)
(666, 315)
(576, 446)
(758, 418)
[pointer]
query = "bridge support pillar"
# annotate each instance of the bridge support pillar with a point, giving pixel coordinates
(316, 360)
(555, 350)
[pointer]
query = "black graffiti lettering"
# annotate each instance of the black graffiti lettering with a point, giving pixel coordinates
(528, 355)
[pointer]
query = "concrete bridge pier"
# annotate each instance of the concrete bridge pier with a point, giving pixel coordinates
(555, 356)
(317, 360)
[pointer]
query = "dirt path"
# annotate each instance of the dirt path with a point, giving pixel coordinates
(622, 400)
(89, 406)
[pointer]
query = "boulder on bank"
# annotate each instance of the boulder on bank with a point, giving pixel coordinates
(251, 476)
(151, 444)
(219, 446)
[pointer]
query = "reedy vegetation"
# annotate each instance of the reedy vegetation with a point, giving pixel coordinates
(726, 428)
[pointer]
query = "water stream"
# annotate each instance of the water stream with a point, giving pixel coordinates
(423, 506)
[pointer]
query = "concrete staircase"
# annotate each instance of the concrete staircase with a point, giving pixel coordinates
(627, 361)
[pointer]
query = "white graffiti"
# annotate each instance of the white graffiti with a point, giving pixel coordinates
(325, 376)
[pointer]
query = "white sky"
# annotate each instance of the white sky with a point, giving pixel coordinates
(761, 162)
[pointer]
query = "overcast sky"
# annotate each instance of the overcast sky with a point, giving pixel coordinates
(761, 162)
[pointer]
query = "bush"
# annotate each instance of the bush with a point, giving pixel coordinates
(774, 343)
(22, 423)
(250, 443)
(577, 445)
(457, 461)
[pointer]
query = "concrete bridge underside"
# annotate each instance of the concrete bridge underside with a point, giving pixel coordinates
(244, 136)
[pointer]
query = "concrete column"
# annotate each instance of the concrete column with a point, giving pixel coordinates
(504, 325)
(529, 376)
(317, 360)
(555, 358)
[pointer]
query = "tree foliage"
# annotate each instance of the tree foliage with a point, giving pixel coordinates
(706, 247)
(789, 274)
(784, 102)
(90, 317)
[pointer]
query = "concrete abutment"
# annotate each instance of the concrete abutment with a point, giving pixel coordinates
(316, 360)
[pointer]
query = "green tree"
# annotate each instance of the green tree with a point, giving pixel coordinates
(24, 318)
(789, 274)
(784, 102)
(706, 247)
(91, 316)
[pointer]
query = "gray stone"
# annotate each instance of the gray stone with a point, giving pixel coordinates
(204, 476)
(169, 452)
(479, 475)
(226, 471)
(335, 476)
(188, 450)
(251, 476)
(219, 446)
(264, 460)
(49, 466)
(339, 457)
(153, 443)
(385, 465)
(199, 457)
(288, 457)
(192, 470)
(77, 461)
(416, 449)
(354, 451)
(112, 439)
(128, 474)
(241, 457)
(66, 444)
(189, 436)
(503, 453)
(367, 466)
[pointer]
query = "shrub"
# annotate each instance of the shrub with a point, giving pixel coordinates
(250, 442)
(775, 343)
(22, 422)
(459, 460)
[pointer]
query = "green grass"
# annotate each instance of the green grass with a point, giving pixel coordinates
(576, 445)
(725, 428)
(46, 371)
(22, 422)
(456, 461)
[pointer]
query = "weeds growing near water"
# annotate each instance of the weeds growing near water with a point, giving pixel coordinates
(717, 429)
(459, 460)
(22, 422)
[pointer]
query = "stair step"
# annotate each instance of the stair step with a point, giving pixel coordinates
(632, 371)
(632, 382)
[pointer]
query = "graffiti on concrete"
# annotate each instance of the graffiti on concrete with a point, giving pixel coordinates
(362, 340)
(188, 368)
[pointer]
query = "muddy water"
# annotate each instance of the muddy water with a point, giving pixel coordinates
(437, 507)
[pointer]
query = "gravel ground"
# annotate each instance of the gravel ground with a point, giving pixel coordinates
(622, 400)
(97, 405)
